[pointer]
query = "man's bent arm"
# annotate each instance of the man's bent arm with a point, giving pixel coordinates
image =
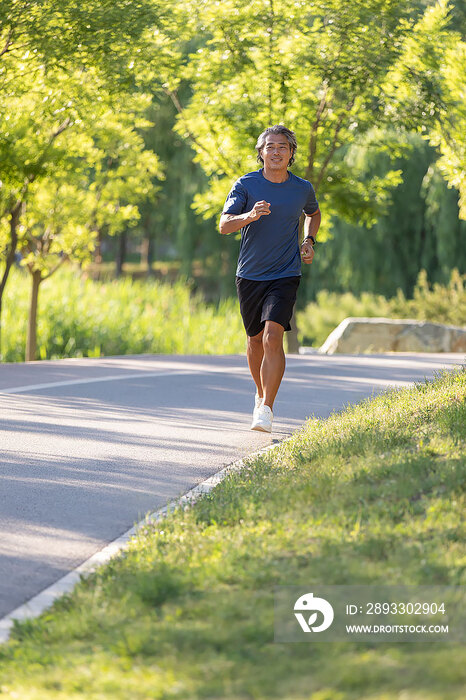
(311, 224)
(233, 222)
(229, 223)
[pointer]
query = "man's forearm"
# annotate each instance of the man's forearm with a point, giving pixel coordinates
(229, 223)
(312, 224)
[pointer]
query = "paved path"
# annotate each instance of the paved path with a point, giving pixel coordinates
(88, 447)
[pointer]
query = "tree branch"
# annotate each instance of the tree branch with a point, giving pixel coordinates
(7, 43)
(15, 214)
(174, 98)
(54, 269)
(313, 138)
(60, 129)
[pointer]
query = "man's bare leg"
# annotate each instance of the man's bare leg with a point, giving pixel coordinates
(273, 362)
(255, 354)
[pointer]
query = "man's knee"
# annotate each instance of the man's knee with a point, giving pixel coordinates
(273, 337)
(255, 341)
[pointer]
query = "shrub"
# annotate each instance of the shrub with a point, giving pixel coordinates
(440, 304)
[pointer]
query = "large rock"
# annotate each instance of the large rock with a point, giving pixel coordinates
(355, 335)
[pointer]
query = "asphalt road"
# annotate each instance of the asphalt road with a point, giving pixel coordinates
(88, 447)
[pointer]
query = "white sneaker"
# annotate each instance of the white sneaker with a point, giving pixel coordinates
(258, 401)
(262, 419)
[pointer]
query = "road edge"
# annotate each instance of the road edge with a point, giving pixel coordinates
(36, 605)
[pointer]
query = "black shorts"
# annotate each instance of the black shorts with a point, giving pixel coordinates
(272, 300)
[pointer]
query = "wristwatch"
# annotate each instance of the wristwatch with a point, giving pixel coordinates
(311, 238)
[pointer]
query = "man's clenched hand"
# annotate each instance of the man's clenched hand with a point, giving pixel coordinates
(307, 252)
(259, 209)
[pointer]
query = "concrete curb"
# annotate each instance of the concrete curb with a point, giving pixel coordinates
(43, 600)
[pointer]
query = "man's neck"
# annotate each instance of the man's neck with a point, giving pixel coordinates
(276, 176)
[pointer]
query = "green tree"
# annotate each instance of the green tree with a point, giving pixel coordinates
(171, 224)
(125, 176)
(103, 175)
(59, 63)
(445, 230)
(448, 134)
(421, 229)
(316, 67)
(427, 91)
(54, 229)
(48, 52)
(31, 138)
(118, 38)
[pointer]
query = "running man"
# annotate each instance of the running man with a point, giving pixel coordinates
(266, 205)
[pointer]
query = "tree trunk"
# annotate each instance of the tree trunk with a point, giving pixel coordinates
(31, 342)
(121, 254)
(10, 258)
(98, 248)
(147, 254)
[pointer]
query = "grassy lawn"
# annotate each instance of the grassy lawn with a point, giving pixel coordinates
(374, 494)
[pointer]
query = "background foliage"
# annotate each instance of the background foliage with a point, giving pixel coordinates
(86, 318)
(122, 131)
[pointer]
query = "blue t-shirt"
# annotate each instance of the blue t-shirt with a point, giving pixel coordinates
(269, 246)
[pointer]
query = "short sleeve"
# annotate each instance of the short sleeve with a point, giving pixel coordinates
(236, 200)
(311, 205)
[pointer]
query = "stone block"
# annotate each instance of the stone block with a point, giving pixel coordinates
(372, 335)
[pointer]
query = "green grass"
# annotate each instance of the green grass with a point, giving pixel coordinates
(374, 494)
(79, 317)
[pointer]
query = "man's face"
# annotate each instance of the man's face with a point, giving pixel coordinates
(276, 152)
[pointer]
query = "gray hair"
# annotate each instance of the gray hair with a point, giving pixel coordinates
(277, 129)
